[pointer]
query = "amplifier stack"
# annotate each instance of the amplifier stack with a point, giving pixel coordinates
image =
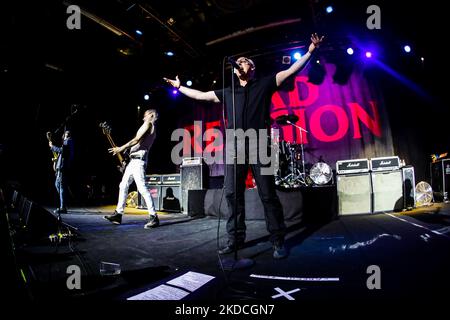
(374, 185)
(165, 191)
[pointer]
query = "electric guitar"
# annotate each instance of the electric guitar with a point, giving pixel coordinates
(55, 154)
(106, 129)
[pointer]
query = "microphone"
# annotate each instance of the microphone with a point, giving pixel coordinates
(234, 63)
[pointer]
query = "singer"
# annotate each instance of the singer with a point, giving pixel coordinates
(252, 104)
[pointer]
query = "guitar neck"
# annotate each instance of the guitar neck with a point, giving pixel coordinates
(111, 141)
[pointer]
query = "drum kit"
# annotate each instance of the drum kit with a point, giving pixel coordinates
(291, 170)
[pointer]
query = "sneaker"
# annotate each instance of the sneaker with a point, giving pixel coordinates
(279, 251)
(153, 222)
(115, 218)
(230, 248)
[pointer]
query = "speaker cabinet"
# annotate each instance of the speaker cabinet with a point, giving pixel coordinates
(196, 203)
(409, 187)
(171, 198)
(155, 192)
(193, 177)
(387, 191)
(440, 179)
(354, 193)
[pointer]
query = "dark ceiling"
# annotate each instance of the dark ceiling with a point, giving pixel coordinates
(199, 32)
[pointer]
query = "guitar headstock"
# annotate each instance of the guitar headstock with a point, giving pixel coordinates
(106, 128)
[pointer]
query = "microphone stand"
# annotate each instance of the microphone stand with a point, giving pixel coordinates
(301, 147)
(235, 264)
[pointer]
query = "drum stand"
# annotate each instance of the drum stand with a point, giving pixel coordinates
(301, 176)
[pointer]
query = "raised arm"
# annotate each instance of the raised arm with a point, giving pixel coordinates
(146, 126)
(193, 93)
(300, 63)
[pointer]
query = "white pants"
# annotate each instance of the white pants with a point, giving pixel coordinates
(135, 171)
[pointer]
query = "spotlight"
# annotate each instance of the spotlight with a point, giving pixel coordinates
(174, 92)
(189, 83)
(350, 51)
(329, 9)
(368, 54)
(169, 53)
(407, 49)
(422, 59)
(139, 32)
(297, 55)
(146, 97)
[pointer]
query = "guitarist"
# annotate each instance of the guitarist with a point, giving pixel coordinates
(135, 170)
(65, 155)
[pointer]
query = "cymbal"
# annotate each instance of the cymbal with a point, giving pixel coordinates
(283, 119)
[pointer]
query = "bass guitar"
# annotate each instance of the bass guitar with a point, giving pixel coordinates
(106, 129)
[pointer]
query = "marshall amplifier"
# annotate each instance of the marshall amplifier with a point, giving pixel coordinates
(171, 179)
(354, 193)
(385, 164)
(352, 166)
(387, 187)
(153, 179)
(171, 192)
(153, 184)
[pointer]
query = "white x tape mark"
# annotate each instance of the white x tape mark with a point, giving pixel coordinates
(284, 294)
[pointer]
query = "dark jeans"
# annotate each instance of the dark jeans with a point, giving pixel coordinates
(273, 211)
(61, 187)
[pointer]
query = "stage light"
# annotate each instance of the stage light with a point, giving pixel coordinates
(169, 53)
(146, 97)
(329, 9)
(139, 32)
(297, 55)
(422, 59)
(174, 92)
(189, 83)
(350, 51)
(368, 54)
(407, 49)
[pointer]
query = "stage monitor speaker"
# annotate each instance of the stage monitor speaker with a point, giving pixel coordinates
(409, 188)
(440, 179)
(155, 192)
(193, 177)
(354, 193)
(38, 220)
(387, 191)
(171, 198)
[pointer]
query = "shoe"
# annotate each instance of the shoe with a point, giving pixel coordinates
(115, 218)
(279, 251)
(60, 210)
(153, 222)
(230, 248)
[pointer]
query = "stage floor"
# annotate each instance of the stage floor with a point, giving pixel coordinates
(326, 261)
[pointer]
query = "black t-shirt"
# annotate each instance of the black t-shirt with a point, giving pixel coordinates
(252, 103)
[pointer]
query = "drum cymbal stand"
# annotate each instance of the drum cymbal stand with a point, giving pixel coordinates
(303, 172)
